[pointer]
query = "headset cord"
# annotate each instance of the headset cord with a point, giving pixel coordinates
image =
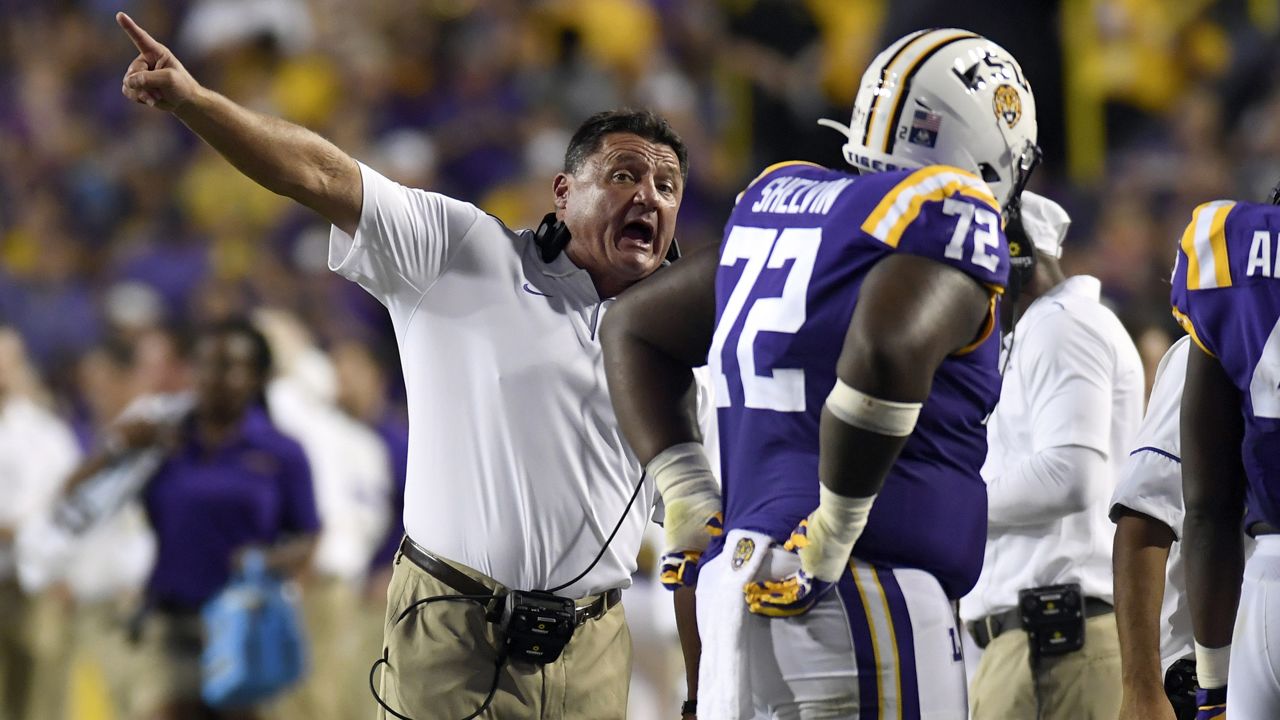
(483, 601)
(617, 526)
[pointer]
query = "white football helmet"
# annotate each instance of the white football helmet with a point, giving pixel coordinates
(945, 97)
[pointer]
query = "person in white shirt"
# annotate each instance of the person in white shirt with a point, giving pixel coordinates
(1070, 405)
(518, 478)
(351, 474)
(1152, 613)
(37, 453)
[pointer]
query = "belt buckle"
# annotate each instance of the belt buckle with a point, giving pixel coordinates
(991, 631)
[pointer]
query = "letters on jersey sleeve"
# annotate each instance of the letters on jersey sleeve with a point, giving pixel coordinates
(946, 214)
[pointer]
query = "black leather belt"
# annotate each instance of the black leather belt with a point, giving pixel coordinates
(992, 626)
(462, 583)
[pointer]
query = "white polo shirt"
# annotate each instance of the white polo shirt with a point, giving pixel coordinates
(1152, 485)
(350, 475)
(1070, 406)
(516, 464)
(37, 454)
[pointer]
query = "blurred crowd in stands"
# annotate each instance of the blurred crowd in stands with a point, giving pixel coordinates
(120, 231)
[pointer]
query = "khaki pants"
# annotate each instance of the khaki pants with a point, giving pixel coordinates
(101, 638)
(1083, 685)
(34, 654)
(168, 661)
(337, 680)
(441, 661)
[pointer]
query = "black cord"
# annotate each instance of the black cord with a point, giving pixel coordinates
(483, 600)
(621, 519)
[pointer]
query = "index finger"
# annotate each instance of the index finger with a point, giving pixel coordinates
(142, 40)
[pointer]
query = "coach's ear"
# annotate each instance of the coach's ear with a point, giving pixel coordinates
(560, 187)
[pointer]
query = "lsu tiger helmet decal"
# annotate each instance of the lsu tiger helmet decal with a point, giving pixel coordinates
(945, 97)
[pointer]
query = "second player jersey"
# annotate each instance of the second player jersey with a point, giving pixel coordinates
(1226, 294)
(796, 250)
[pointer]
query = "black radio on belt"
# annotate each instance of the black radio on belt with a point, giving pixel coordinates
(537, 625)
(1053, 617)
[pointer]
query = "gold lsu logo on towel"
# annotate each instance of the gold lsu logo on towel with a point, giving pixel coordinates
(742, 553)
(1008, 104)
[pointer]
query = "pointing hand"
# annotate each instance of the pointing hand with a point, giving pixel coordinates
(155, 77)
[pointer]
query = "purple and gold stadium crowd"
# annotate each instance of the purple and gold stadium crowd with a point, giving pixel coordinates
(121, 233)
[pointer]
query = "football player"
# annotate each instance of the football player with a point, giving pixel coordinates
(848, 323)
(1226, 294)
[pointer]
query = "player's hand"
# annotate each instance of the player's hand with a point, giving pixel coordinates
(1146, 705)
(794, 594)
(1211, 703)
(679, 568)
(155, 77)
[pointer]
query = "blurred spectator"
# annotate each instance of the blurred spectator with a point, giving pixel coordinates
(37, 453)
(229, 481)
(364, 394)
(351, 473)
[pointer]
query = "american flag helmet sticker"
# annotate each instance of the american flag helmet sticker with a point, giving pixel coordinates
(924, 128)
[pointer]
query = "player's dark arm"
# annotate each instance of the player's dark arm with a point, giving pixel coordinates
(912, 313)
(690, 641)
(1213, 491)
(653, 336)
(284, 158)
(1139, 554)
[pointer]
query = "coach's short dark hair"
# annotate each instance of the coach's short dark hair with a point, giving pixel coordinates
(645, 123)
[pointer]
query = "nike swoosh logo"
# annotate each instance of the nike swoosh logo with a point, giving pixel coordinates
(529, 289)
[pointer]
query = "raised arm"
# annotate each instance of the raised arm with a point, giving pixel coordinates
(282, 157)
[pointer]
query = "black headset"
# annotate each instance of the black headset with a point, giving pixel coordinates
(1022, 252)
(553, 235)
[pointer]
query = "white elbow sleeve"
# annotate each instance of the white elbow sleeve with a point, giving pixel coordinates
(885, 417)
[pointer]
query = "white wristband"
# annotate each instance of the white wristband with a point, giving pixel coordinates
(690, 494)
(885, 417)
(1212, 665)
(834, 528)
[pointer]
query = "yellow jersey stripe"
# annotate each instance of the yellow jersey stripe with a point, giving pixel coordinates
(1218, 245)
(902, 204)
(1205, 244)
(1186, 324)
(988, 325)
(890, 199)
(1189, 249)
(766, 171)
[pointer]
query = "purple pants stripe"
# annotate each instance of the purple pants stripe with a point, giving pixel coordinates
(864, 654)
(901, 619)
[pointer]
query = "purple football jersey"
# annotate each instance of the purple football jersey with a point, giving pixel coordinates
(797, 247)
(1226, 294)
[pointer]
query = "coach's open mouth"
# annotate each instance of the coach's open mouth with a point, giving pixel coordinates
(638, 231)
